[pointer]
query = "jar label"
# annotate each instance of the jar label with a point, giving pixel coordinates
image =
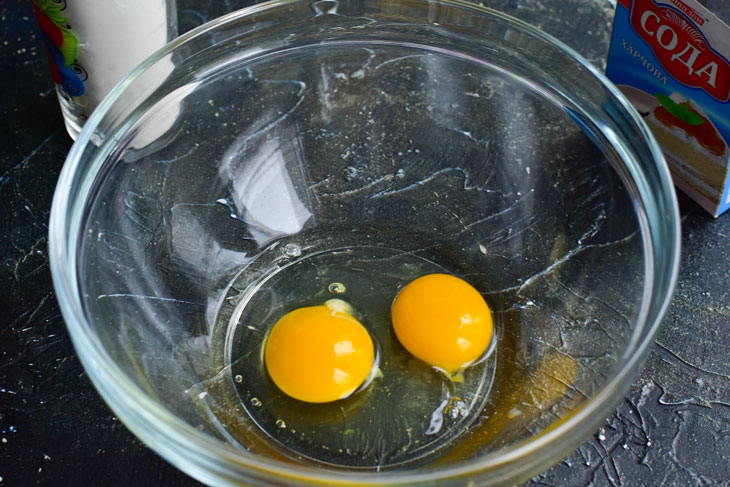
(61, 46)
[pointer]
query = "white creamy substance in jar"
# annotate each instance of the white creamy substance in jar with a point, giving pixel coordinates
(114, 36)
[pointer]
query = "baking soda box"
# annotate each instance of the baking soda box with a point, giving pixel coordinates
(670, 59)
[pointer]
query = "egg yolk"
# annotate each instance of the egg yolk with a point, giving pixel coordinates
(319, 353)
(443, 321)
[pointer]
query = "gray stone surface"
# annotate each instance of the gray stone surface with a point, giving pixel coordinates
(673, 428)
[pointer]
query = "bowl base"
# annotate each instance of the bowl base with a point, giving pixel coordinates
(409, 411)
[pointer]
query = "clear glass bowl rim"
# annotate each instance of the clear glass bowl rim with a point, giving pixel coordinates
(209, 459)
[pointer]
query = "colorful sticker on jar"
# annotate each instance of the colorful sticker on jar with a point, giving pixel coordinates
(61, 45)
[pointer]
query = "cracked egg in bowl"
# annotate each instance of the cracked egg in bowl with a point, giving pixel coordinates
(364, 243)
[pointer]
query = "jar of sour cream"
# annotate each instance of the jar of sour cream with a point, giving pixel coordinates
(92, 45)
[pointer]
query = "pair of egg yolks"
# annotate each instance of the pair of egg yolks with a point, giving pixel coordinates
(322, 353)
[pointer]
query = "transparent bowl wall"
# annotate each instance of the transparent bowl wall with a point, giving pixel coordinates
(396, 125)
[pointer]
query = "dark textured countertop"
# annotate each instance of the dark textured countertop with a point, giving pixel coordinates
(673, 428)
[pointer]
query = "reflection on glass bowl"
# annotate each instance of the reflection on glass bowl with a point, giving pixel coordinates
(309, 151)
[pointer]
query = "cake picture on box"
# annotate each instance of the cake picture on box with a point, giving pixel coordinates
(686, 134)
(670, 59)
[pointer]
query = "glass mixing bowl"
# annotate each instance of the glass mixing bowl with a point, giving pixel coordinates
(298, 151)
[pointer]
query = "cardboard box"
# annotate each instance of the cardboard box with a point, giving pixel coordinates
(670, 58)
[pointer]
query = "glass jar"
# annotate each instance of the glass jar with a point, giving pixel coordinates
(92, 45)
